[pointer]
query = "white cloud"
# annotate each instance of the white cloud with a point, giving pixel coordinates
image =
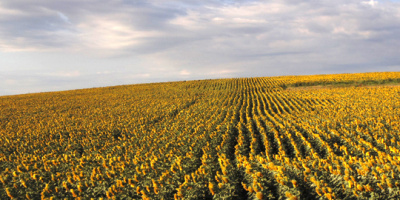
(190, 21)
(222, 72)
(65, 74)
(109, 33)
(125, 41)
(104, 72)
(10, 81)
(10, 12)
(145, 75)
(63, 17)
(371, 2)
(184, 72)
(140, 75)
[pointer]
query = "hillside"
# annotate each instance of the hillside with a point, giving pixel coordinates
(295, 137)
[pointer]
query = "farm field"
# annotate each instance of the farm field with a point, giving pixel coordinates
(288, 137)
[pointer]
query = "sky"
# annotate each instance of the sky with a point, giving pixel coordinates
(53, 45)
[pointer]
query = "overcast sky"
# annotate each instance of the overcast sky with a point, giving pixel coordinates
(49, 45)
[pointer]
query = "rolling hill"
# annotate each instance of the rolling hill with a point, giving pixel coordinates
(289, 137)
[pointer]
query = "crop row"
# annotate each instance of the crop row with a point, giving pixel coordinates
(247, 138)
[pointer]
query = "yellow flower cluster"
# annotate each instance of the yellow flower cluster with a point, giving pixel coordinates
(243, 138)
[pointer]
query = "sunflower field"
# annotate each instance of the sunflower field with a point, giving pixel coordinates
(288, 137)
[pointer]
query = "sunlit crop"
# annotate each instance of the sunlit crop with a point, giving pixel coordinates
(244, 138)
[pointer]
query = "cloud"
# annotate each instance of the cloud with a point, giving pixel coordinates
(63, 17)
(156, 26)
(222, 72)
(371, 3)
(184, 72)
(63, 74)
(104, 33)
(146, 75)
(122, 41)
(104, 72)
